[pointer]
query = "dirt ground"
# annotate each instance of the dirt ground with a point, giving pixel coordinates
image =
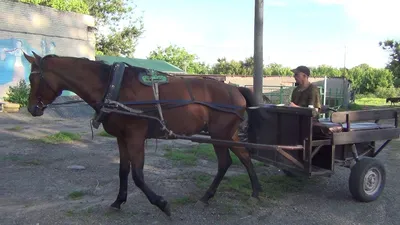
(38, 187)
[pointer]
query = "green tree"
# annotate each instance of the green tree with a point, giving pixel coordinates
(118, 31)
(393, 47)
(367, 79)
(181, 58)
(326, 70)
(225, 67)
(78, 6)
(275, 69)
(121, 40)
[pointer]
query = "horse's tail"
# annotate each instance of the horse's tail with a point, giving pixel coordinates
(248, 127)
(249, 96)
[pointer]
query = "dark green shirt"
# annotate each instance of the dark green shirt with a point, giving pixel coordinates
(306, 97)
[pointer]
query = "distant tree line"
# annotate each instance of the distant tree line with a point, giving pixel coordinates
(365, 79)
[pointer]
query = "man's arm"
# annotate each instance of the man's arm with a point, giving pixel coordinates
(315, 99)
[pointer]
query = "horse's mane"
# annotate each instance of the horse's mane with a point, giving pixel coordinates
(104, 66)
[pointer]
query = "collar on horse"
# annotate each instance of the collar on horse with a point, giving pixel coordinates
(112, 91)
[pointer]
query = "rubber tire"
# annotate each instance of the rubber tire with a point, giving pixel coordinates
(356, 179)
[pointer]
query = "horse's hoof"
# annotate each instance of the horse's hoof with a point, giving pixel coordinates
(253, 200)
(116, 205)
(167, 209)
(200, 204)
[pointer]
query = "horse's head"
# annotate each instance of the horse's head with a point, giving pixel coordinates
(44, 87)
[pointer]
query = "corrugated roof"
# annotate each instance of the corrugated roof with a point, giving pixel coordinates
(146, 63)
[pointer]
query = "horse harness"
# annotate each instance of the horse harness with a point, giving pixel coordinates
(109, 103)
(151, 78)
(112, 94)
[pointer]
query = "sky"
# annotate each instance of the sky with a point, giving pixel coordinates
(296, 32)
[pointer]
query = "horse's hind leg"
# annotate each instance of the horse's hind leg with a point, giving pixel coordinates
(136, 153)
(224, 162)
(124, 168)
(244, 157)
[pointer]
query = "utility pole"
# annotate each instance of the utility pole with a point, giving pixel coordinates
(258, 49)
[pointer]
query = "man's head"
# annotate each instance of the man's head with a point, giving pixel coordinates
(301, 74)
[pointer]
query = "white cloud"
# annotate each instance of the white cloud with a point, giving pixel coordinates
(166, 33)
(371, 16)
(277, 3)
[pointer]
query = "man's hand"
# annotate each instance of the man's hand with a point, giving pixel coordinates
(291, 104)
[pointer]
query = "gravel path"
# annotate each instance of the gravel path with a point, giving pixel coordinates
(37, 186)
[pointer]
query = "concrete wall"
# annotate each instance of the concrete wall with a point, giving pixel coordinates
(28, 28)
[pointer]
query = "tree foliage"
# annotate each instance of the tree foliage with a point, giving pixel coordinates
(393, 47)
(18, 93)
(365, 79)
(78, 6)
(119, 30)
(117, 39)
(181, 58)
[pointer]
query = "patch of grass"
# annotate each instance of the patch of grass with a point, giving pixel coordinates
(33, 162)
(371, 101)
(12, 158)
(16, 128)
(61, 137)
(70, 213)
(365, 103)
(201, 151)
(181, 157)
(75, 195)
(274, 187)
(105, 134)
(183, 200)
(202, 180)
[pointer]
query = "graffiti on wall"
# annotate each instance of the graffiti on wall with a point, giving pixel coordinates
(13, 65)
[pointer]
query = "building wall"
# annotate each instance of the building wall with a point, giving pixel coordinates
(44, 30)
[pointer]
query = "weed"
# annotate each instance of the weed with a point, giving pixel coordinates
(16, 128)
(274, 187)
(105, 134)
(75, 195)
(61, 137)
(183, 200)
(181, 157)
(201, 151)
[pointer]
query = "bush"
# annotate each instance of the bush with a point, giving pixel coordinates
(382, 92)
(18, 94)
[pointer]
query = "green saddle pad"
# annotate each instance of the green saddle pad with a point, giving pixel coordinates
(153, 77)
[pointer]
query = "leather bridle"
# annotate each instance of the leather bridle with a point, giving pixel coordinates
(40, 105)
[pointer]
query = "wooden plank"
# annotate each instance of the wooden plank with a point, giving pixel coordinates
(360, 115)
(321, 142)
(352, 137)
(291, 158)
(285, 110)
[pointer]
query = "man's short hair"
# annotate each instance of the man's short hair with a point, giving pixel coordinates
(303, 69)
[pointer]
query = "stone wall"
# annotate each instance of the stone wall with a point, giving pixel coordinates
(25, 27)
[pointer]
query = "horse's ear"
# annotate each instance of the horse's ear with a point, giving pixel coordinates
(29, 58)
(37, 58)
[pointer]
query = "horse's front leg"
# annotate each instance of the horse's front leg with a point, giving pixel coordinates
(136, 153)
(124, 168)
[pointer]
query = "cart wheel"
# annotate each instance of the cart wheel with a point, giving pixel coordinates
(367, 179)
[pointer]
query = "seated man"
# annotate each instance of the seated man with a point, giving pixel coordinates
(305, 94)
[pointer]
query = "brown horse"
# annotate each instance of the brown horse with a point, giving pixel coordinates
(90, 80)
